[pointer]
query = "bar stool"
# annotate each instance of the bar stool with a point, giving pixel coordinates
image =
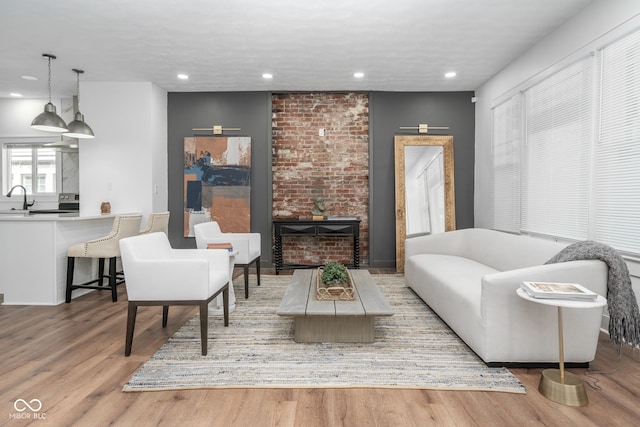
(158, 221)
(102, 248)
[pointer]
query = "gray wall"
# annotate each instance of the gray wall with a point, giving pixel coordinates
(390, 110)
(251, 111)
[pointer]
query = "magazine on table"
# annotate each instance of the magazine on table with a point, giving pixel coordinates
(554, 290)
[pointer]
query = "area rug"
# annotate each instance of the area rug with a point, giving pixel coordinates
(412, 349)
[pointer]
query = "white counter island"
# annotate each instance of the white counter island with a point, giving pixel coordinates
(33, 255)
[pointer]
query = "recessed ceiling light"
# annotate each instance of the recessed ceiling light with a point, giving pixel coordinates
(29, 78)
(358, 75)
(450, 74)
(183, 76)
(267, 76)
(16, 95)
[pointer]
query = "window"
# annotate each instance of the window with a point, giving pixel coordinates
(617, 171)
(32, 166)
(570, 168)
(557, 154)
(507, 125)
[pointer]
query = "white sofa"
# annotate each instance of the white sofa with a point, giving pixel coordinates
(469, 278)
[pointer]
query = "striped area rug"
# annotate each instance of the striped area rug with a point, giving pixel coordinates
(412, 349)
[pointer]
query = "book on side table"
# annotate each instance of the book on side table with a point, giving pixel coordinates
(227, 246)
(552, 290)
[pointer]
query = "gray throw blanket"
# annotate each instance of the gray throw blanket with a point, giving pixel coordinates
(624, 317)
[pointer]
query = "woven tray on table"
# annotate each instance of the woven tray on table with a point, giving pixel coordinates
(336, 292)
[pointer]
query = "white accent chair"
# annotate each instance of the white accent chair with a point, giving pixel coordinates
(158, 221)
(158, 275)
(247, 245)
(104, 247)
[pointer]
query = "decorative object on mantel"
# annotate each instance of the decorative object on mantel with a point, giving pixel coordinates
(105, 208)
(216, 129)
(334, 283)
(424, 128)
(49, 120)
(78, 128)
(267, 356)
(318, 212)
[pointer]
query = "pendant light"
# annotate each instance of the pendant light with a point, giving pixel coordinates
(48, 120)
(78, 128)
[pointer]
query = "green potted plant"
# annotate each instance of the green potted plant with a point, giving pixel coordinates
(333, 274)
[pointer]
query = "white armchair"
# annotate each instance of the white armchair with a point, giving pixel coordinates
(247, 245)
(157, 275)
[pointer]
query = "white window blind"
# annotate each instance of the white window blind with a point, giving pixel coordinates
(507, 131)
(617, 164)
(557, 153)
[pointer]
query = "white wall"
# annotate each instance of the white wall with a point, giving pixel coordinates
(599, 23)
(128, 157)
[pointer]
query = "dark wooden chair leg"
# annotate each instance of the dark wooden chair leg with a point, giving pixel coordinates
(70, 266)
(225, 304)
(131, 321)
(204, 326)
(258, 270)
(101, 271)
(246, 280)
(112, 279)
(165, 315)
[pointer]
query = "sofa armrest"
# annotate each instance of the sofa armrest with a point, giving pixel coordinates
(499, 289)
(519, 330)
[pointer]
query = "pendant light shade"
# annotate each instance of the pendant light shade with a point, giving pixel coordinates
(48, 120)
(78, 128)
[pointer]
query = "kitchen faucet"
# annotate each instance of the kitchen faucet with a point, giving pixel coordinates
(25, 205)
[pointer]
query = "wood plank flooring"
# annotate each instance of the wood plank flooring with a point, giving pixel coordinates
(71, 358)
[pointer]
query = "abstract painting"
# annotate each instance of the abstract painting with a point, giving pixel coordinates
(217, 182)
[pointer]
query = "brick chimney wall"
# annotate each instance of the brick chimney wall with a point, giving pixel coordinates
(334, 166)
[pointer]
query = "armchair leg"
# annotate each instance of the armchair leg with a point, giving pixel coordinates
(225, 304)
(131, 321)
(204, 326)
(165, 315)
(258, 270)
(246, 280)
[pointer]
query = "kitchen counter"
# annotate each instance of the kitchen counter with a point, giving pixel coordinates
(33, 254)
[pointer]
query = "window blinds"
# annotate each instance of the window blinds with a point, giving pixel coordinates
(617, 166)
(557, 153)
(507, 129)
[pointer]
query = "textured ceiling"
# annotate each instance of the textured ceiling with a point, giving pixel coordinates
(226, 45)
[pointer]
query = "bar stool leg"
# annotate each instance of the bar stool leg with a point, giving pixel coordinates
(70, 266)
(112, 279)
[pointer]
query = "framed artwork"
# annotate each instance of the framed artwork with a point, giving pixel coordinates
(217, 182)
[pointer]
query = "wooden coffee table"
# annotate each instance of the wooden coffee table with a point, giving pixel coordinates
(333, 321)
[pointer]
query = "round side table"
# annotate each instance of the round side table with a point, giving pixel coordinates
(556, 384)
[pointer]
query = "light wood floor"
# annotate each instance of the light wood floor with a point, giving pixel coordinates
(70, 357)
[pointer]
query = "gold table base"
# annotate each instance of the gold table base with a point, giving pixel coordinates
(568, 391)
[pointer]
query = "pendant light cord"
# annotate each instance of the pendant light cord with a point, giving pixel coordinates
(49, 78)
